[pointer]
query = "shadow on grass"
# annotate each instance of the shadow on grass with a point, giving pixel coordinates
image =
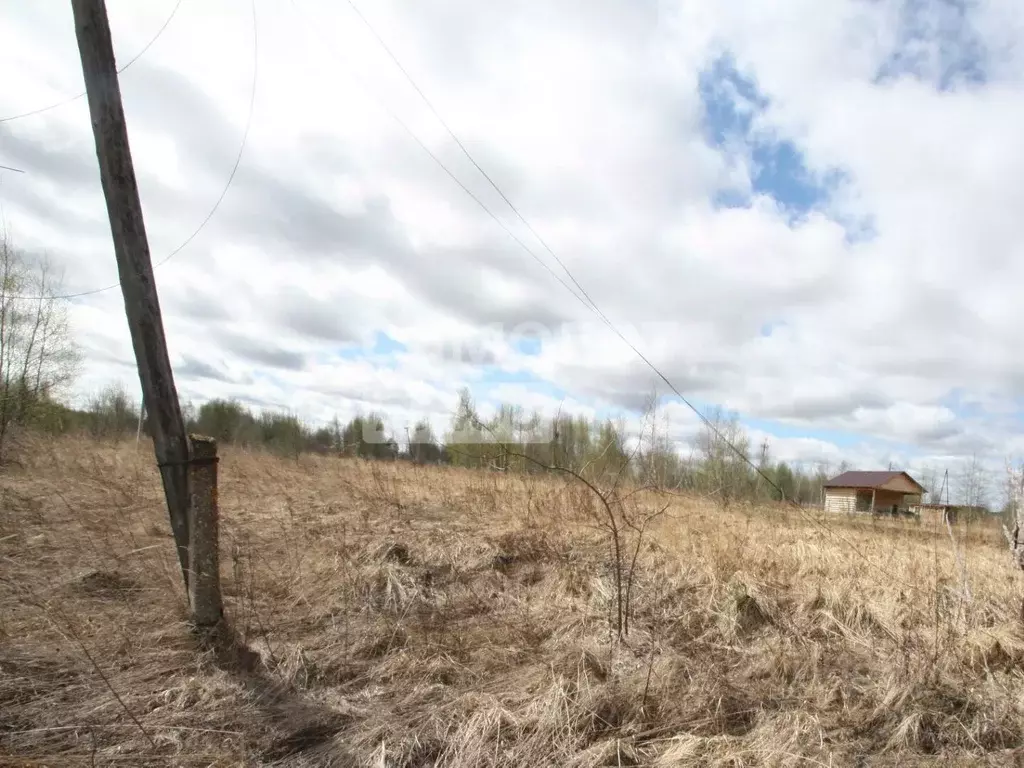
(300, 724)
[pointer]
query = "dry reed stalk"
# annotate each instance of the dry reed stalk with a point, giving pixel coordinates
(407, 616)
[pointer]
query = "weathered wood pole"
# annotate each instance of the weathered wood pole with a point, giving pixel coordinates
(135, 270)
(203, 535)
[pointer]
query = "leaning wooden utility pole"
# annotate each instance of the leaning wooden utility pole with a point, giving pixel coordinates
(160, 398)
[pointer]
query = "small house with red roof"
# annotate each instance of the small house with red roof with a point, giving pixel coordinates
(872, 492)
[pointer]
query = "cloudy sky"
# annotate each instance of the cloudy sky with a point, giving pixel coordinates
(806, 212)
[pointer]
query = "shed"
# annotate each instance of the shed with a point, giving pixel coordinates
(937, 513)
(890, 492)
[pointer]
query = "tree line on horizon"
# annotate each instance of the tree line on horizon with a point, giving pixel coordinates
(39, 359)
(719, 462)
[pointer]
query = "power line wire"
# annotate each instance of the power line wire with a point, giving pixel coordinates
(223, 193)
(595, 309)
(470, 157)
(131, 61)
(593, 305)
(447, 170)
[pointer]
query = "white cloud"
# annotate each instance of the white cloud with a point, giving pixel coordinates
(339, 226)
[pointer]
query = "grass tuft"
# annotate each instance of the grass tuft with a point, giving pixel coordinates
(402, 616)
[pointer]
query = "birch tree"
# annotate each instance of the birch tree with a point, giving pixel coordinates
(971, 485)
(38, 356)
(725, 447)
(1014, 513)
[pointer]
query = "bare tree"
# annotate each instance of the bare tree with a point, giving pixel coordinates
(38, 357)
(929, 477)
(600, 498)
(114, 413)
(971, 488)
(657, 462)
(1014, 515)
(1013, 519)
(725, 447)
(604, 504)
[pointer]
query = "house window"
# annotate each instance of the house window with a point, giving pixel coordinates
(864, 501)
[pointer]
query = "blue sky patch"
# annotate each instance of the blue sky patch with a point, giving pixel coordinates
(385, 345)
(846, 441)
(778, 429)
(382, 346)
(779, 171)
(527, 345)
(937, 43)
(777, 166)
(493, 376)
(731, 198)
(964, 409)
(967, 409)
(857, 230)
(730, 100)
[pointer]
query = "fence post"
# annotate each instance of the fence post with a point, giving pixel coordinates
(204, 556)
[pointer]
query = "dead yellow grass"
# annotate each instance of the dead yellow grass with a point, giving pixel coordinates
(390, 615)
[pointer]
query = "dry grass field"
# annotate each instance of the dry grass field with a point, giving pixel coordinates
(393, 615)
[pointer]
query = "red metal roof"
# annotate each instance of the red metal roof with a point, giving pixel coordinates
(857, 479)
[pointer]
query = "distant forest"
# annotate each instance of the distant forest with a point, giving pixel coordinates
(509, 440)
